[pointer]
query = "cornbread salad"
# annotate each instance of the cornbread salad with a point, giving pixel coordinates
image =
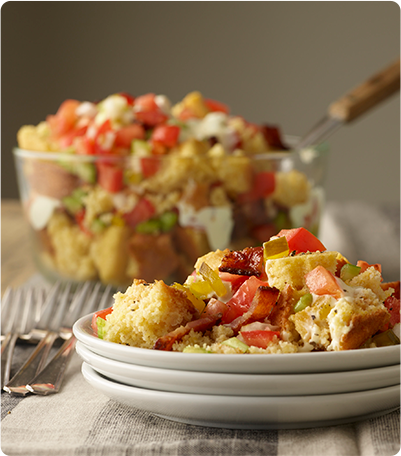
(290, 295)
(135, 187)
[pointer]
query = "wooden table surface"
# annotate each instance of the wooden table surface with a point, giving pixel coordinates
(17, 263)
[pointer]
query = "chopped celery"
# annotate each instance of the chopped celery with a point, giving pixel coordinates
(79, 193)
(140, 147)
(275, 248)
(385, 338)
(233, 342)
(168, 220)
(349, 271)
(194, 349)
(87, 172)
(303, 302)
(151, 226)
(101, 327)
(198, 303)
(208, 274)
(97, 226)
(73, 205)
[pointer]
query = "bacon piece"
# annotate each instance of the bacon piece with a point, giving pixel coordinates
(246, 262)
(262, 305)
(208, 319)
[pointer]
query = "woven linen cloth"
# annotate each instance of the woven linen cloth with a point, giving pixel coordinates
(80, 421)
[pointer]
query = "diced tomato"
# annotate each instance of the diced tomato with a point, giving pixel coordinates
(65, 118)
(364, 265)
(263, 185)
(320, 281)
(234, 279)
(259, 338)
(126, 135)
(216, 106)
(110, 176)
(147, 111)
(67, 139)
(150, 165)
(144, 210)
(393, 306)
(302, 240)
(130, 99)
(242, 299)
(79, 218)
(166, 135)
(99, 314)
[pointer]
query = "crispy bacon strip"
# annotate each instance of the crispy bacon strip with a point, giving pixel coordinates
(262, 305)
(246, 262)
(208, 319)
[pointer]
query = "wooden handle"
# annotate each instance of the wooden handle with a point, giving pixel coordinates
(370, 93)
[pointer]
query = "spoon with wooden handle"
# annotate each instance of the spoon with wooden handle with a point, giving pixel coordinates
(355, 103)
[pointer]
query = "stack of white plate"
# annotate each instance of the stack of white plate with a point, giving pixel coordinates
(244, 391)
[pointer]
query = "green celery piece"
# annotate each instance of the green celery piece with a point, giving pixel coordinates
(233, 342)
(101, 327)
(151, 226)
(97, 226)
(140, 147)
(303, 302)
(87, 172)
(73, 205)
(79, 193)
(349, 271)
(168, 220)
(386, 338)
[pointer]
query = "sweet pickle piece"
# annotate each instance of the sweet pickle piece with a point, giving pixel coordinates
(198, 303)
(349, 271)
(200, 289)
(385, 338)
(216, 283)
(275, 248)
(303, 302)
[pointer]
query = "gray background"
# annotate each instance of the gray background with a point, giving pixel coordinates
(275, 62)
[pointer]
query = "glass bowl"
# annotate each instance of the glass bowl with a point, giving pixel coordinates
(113, 219)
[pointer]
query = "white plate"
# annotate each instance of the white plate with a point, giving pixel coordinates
(250, 412)
(239, 364)
(180, 381)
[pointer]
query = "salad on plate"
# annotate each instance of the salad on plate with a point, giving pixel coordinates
(289, 295)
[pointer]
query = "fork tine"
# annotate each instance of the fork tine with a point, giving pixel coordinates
(6, 307)
(48, 381)
(48, 306)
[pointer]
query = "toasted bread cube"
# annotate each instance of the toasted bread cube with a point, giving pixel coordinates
(292, 269)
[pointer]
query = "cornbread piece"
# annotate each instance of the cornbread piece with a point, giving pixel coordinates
(71, 248)
(151, 256)
(108, 251)
(146, 312)
(291, 188)
(346, 323)
(292, 270)
(212, 259)
(37, 137)
(192, 242)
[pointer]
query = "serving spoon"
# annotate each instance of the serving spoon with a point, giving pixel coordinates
(353, 104)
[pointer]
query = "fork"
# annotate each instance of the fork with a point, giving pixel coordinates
(48, 381)
(19, 312)
(60, 325)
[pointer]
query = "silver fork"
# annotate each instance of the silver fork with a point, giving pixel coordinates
(45, 330)
(48, 381)
(20, 311)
